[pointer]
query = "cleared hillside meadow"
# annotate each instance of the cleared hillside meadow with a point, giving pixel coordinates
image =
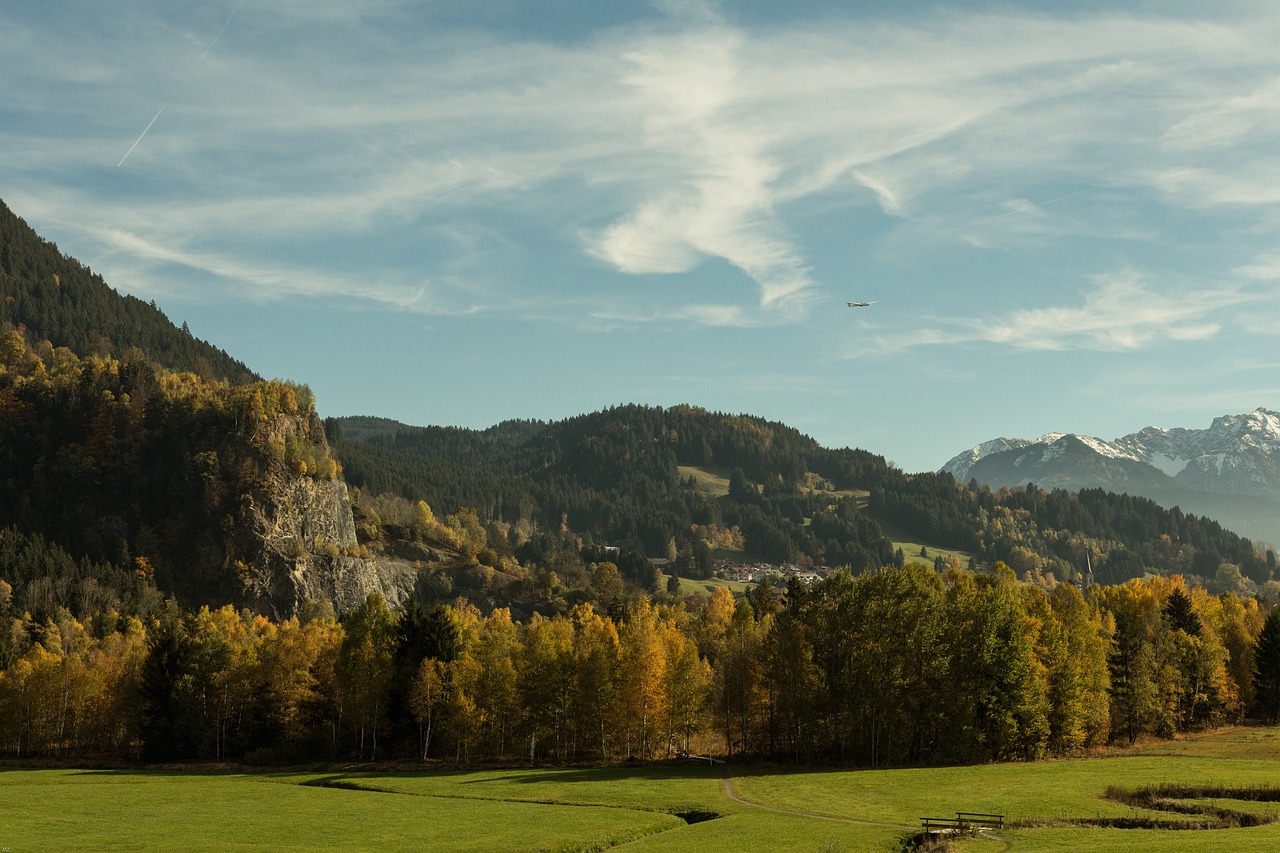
(648, 808)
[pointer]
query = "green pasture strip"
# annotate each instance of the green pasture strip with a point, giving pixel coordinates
(1255, 807)
(911, 553)
(766, 832)
(91, 811)
(1037, 790)
(589, 808)
(911, 549)
(1262, 839)
(666, 788)
(1249, 742)
(711, 481)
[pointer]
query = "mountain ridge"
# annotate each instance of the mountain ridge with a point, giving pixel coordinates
(1236, 456)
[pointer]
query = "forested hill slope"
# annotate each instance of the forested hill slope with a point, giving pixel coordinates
(58, 299)
(646, 477)
(153, 482)
(137, 462)
(627, 475)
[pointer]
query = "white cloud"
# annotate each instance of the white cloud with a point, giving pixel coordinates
(691, 11)
(1217, 122)
(1265, 267)
(718, 315)
(1125, 312)
(1218, 187)
(721, 206)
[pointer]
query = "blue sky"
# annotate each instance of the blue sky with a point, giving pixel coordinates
(1067, 214)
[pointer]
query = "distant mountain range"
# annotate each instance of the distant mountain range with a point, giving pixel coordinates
(1229, 471)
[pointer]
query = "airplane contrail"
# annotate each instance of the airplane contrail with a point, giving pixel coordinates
(183, 82)
(1013, 212)
(140, 135)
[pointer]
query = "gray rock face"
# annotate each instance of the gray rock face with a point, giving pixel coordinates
(314, 515)
(347, 581)
(301, 545)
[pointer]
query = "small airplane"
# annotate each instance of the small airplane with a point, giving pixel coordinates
(860, 304)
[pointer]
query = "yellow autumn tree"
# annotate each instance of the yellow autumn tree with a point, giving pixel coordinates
(597, 652)
(546, 683)
(642, 680)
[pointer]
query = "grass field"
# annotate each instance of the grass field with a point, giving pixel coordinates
(911, 548)
(708, 585)
(644, 808)
(711, 481)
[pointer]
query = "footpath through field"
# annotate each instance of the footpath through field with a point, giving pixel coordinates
(731, 794)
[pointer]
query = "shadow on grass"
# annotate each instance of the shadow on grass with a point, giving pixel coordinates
(346, 783)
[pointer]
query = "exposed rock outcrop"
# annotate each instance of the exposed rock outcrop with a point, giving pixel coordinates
(297, 541)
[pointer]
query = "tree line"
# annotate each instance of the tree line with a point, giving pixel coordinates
(898, 666)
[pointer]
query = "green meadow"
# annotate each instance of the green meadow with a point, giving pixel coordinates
(656, 807)
(706, 586)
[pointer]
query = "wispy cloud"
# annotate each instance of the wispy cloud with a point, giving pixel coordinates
(649, 149)
(257, 281)
(1124, 312)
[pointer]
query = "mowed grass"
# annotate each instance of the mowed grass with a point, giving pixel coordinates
(713, 481)
(69, 810)
(1049, 791)
(581, 808)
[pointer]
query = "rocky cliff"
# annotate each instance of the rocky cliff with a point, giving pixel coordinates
(158, 481)
(296, 538)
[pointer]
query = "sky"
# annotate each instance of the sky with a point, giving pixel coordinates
(1066, 214)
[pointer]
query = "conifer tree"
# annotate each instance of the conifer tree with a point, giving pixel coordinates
(1266, 674)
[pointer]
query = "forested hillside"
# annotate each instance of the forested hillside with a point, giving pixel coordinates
(616, 477)
(143, 476)
(58, 299)
(141, 480)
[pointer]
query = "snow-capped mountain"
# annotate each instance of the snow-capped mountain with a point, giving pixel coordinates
(960, 464)
(1238, 455)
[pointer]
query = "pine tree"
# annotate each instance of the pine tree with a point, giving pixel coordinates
(1179, 613)
(1266, 673)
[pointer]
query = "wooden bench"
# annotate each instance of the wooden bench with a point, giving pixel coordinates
(963, 821)
(991, 821)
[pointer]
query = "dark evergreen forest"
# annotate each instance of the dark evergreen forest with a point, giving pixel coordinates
(58, 299)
